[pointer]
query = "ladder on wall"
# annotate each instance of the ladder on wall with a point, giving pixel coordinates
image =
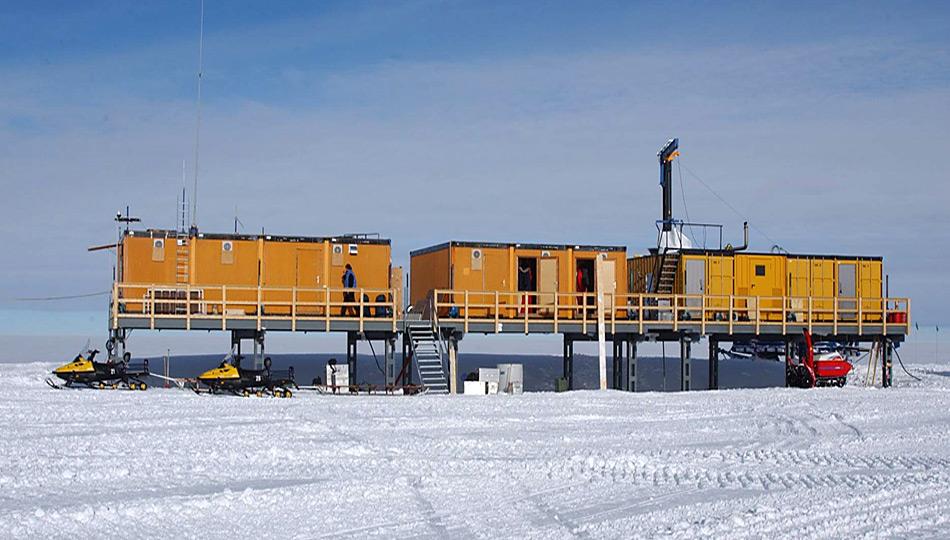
(182, 259)
(428, 355)
(666, 277)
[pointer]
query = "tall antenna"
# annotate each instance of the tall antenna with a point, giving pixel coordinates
(182, 223)
(194, 191)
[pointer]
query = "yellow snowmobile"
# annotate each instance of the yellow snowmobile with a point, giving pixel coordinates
(85, 372)
(231, 377)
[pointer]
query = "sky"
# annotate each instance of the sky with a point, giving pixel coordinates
(825, 125)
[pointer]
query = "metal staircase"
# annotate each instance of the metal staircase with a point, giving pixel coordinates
(666, 277)
(428, 355)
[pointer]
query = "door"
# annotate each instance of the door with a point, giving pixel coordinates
(765, 280)
(547, 281)
(308, 279)
(847, 290)
(798, 287)
(695, 284)
(822, 289)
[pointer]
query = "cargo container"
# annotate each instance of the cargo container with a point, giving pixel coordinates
(220, 270)
(762, 281)
(555, 273)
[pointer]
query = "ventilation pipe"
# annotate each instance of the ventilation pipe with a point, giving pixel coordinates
(745, 237)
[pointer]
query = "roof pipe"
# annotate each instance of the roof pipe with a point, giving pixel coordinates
(745, 237)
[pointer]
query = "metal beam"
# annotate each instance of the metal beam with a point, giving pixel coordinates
(684, 364)
(569, 360)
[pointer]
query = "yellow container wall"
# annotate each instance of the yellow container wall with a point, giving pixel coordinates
(496, 269)
(428, 271)
(252, 262)
(760, 276)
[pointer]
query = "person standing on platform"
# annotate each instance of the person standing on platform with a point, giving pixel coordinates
(349, 282)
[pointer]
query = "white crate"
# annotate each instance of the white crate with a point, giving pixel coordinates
(488, 374)
(474, 388)
(338, 375)
(510, 376)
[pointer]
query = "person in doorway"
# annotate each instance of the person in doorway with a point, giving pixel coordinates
(525, 283)
(349, 282)
(583, 286)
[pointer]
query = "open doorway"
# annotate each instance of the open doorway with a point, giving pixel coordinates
(527, 280)
(584, 282)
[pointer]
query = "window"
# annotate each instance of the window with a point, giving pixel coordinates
(760, 269)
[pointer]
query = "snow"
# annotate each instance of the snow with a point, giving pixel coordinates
(824, 463)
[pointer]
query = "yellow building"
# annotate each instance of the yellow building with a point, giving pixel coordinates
(763, 281)
(510, 272)
(287, 268)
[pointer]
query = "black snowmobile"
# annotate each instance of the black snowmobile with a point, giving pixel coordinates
(232, 378)
(85, 372)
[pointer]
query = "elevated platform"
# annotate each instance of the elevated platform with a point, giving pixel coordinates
(657, 316)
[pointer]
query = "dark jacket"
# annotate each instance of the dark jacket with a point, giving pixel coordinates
(349, 279)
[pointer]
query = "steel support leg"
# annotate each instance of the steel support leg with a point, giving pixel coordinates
(389, 352)
(351, 340)
(569, 361)
(617, 364)
(406, 368)
(713, 364)
(684, 364)
(632, 365)
(887, 362)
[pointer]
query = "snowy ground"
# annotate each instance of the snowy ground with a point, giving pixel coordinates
(834, 463)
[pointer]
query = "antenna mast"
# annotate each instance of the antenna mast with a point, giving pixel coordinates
(194, 192)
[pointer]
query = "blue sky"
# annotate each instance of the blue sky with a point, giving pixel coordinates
(824, 125)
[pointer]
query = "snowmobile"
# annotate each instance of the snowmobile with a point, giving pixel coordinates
(85, 372)
(232, 378)
(828, 368)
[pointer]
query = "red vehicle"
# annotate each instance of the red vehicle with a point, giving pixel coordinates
(829, 368)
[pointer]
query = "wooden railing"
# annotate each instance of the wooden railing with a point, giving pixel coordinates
(226, 303)
(675, 311)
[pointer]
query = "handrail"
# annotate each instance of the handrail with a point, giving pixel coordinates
(259, 304)
(678, 311)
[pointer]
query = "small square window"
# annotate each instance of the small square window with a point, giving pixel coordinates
(760, 269)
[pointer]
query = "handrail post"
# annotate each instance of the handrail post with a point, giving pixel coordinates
(584, 312)
(784, 315)
(732, 302)
(556, 295)
(525, 299)
(810, 317)
(860, 316)
(465, 323)
(394, 313)
(640, 312)
(293, 309)
(188, 307)
(613, 313)
(224, 307)
(152, 310)
(758, 315)
(835, 316)
(362, 308)
(496, 312)
(702, 316)
(884, 303)
(676, 308)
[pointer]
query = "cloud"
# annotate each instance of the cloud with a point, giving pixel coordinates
(825, 147)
